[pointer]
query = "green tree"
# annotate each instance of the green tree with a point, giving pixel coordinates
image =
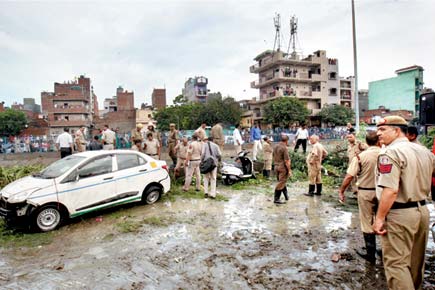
(285, 111)
(218, 109)
(336, 115)
(12, 122)
(180, 100)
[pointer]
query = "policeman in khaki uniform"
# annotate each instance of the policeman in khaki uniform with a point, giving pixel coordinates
(181, 151)
(403, 180)
(363, 167)
(136, 134)
(268, 155)
(282, 168)
(314, 162)
(172, 142)
(192, 163)
(354, 148)
(80, 140)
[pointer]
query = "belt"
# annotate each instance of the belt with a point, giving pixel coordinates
(152, 154)
(366, 188)
(182, 158)
(400, 205)
(195, 159)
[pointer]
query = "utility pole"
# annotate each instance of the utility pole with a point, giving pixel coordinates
(355, 70)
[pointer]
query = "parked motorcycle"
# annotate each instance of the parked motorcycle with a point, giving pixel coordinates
(242, 169)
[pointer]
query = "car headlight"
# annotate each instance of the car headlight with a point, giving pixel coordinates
(22, 196)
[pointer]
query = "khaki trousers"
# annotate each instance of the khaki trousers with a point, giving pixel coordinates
(180, 164)
(367, 203)
(404, 246)
(193, 168)
(267, 164)
(315, 173)
(282, 176)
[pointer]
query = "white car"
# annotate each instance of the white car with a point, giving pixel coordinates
(82, 183)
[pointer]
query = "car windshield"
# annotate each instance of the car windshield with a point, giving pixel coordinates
(59, 167)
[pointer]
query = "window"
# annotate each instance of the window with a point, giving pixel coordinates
(332, 76)
(101, 165)
(126, 161)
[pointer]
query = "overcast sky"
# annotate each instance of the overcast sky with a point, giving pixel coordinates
(142, 45)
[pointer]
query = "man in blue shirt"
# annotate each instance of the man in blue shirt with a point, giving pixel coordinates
(256, 139)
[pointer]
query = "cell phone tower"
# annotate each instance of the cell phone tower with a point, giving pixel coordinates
(277, 23)
(293, 36)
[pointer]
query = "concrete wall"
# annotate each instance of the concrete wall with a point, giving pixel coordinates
(398, 93)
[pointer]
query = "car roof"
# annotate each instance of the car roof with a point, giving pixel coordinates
(103, 152)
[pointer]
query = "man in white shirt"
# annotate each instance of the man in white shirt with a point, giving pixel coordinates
(301, 138)
(64, 143)
(108, 138)
(238, 141)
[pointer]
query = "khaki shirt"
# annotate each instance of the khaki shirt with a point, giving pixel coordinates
(80, 139)
(156, 135)
(218, 134)
(317, 154)
(280, 154)
(108, 137)
(355, 149)
(406, 167)
(365, 167)
(136, 135)
(201, 133)
(268, 151)
(152, 147)
(194, 150)
(173, 137)
(182, 150)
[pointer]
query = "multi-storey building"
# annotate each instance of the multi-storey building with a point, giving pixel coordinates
(398, 93)
(72, 105)
(195, 89)
(123, 101)
(363, 101)
(158, 98)
(314, 80)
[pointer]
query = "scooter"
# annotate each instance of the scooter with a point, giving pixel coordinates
(242, 169)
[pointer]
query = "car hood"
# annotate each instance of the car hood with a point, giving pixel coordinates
(24, 184)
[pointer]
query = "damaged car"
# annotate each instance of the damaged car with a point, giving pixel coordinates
(82, 183)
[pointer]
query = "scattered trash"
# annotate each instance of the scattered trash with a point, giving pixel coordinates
(341, 256)
(99, 219)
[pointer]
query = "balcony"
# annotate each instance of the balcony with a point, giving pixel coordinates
(277, 59)
(67, 123)
(71, 110)
(70, 97)
(316, 77)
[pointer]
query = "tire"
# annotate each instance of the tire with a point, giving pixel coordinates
(152, 195)
(229, 181)
(47, 218)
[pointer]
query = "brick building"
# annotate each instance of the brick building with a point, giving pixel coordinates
(158, 98)
(119, 112)
(72, 105)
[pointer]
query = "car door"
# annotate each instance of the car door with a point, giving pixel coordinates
(95, 186)
(129, 175)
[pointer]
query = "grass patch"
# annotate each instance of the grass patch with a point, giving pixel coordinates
(157, 221)
(259, 181)
(128, 226)
(12, 238)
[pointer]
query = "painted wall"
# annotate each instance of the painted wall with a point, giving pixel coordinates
(398, 93)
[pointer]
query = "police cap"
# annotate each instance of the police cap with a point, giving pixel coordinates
(392, 121)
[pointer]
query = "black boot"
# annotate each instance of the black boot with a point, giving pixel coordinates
(284, 191)
(370, 254)
(311, 188)
(268, 173)
(319, 189)
(277, 197)
(264, 173)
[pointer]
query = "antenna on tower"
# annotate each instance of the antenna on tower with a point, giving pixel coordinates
(293, 36)
(277, 23)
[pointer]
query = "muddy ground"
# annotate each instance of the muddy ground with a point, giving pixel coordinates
(242, 241)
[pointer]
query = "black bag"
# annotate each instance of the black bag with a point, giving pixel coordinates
(208, 164)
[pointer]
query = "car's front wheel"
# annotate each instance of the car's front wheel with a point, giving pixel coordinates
(152, 194)
(47, 218)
